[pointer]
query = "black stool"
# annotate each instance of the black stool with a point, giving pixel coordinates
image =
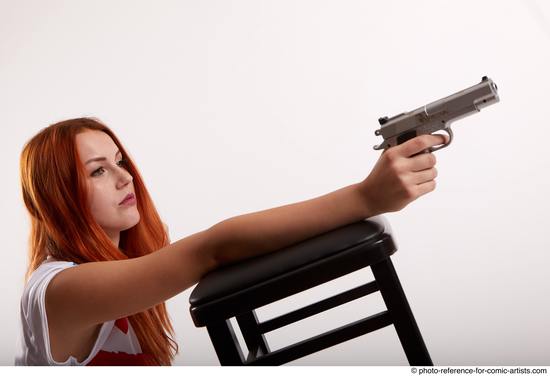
(236, 290)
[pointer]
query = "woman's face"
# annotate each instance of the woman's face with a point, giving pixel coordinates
(108, 183)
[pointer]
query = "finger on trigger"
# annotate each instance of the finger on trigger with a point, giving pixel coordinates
(443, 138)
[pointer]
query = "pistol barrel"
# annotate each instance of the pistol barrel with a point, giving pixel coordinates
(437, 115)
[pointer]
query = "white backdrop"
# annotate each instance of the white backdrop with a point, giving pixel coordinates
(230, 107)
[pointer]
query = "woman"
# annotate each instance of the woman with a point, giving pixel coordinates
(101, 264)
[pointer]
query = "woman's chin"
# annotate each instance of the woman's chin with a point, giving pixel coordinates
(131, 223)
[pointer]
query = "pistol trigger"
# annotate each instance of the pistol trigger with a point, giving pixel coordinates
(450, 133)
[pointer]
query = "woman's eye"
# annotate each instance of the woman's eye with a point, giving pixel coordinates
(96, 172)
(122, 163)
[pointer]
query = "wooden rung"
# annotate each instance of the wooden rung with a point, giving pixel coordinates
(325, 340)
(315, 308)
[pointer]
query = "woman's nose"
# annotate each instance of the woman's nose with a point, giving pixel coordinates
(124, 177)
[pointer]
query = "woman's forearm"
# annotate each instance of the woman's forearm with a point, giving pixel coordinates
(400, 176)
(260, 232)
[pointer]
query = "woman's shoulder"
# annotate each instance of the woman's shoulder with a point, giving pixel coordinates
(49, 265)
(34, 324)
(50, 260)
(42, 275)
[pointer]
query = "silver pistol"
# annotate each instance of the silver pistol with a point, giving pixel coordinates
(437, 115)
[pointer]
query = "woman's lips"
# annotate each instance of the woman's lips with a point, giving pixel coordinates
(129, 200)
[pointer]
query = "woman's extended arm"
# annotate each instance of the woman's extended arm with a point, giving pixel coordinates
(395, 181)
(269, 230)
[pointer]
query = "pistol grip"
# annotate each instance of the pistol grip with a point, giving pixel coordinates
(406, 137)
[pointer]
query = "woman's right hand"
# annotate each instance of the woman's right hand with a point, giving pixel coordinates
(400, 177)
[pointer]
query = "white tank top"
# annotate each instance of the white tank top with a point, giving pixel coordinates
(116, 343)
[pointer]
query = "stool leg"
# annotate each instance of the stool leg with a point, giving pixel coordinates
(248, 322)
(403, 319)
(225, 343)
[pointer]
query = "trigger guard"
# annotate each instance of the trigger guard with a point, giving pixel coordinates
(450, 133)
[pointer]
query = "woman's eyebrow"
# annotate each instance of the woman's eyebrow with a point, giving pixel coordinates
(100, 158)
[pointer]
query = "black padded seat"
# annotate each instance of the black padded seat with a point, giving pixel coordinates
(237, 289)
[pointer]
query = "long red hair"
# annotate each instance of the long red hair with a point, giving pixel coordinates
(54, 191)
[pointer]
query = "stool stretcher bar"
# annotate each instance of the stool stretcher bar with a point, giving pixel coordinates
(313, 309)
